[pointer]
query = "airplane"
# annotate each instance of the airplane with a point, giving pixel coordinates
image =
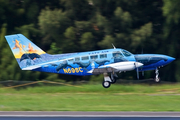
(107, 61)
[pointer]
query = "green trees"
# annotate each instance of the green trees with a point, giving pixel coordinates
(171, 36)
(62, 26)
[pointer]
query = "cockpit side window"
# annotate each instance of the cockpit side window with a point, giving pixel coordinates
(117, 54)
(126, 53)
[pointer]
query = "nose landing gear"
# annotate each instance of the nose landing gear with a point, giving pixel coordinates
(157, 78)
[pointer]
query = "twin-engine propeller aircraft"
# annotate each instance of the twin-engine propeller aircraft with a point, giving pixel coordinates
(31, 57)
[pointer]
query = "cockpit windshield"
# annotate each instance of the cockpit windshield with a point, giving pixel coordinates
(117, 54)
(126, 53)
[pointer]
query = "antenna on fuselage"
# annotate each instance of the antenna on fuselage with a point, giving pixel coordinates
(113, 46)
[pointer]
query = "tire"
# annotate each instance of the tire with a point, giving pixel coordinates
(157, 80)
(106, 84)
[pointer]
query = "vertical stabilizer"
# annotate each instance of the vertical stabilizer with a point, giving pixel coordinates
(25, 52)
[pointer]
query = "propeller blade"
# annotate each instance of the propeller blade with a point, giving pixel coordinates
(137, 70)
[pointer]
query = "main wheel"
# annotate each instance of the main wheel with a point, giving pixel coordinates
(106, 84)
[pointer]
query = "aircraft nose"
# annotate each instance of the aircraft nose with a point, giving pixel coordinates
(170, 59)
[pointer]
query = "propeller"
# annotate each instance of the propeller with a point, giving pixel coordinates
(142, 53)
(137, 65)
(137, 70)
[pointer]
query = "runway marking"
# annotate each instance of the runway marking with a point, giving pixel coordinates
(91, 116)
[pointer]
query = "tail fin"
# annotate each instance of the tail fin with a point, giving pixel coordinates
(23, 49)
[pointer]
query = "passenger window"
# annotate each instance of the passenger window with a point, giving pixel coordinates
(77, 59)
(70, 60)
(103, 56)
(126, 53)
(94, 56)
(85, 58)
(117, 54)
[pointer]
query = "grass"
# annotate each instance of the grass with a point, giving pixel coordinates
(92, 98)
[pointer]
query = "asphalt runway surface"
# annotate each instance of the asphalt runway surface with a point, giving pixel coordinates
(37, 115)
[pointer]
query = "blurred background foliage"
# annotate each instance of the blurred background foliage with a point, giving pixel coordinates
(63, 26)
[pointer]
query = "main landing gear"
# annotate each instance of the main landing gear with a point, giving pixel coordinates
(157, 78)
(108, 81)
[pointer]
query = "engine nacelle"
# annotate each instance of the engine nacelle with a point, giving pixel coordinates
(123, 66)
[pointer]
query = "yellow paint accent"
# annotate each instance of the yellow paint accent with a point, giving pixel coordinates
(20, 47)
(73, 70)
(80, 69)
(77, 70)
(69, 70)
(18, 55)
(65, 70)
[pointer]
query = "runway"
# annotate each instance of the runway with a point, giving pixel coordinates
(86, 114)
(37, 115)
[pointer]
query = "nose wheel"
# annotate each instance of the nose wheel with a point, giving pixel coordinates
(157, 78)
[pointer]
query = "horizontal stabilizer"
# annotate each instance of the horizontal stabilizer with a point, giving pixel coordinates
(31, 67)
